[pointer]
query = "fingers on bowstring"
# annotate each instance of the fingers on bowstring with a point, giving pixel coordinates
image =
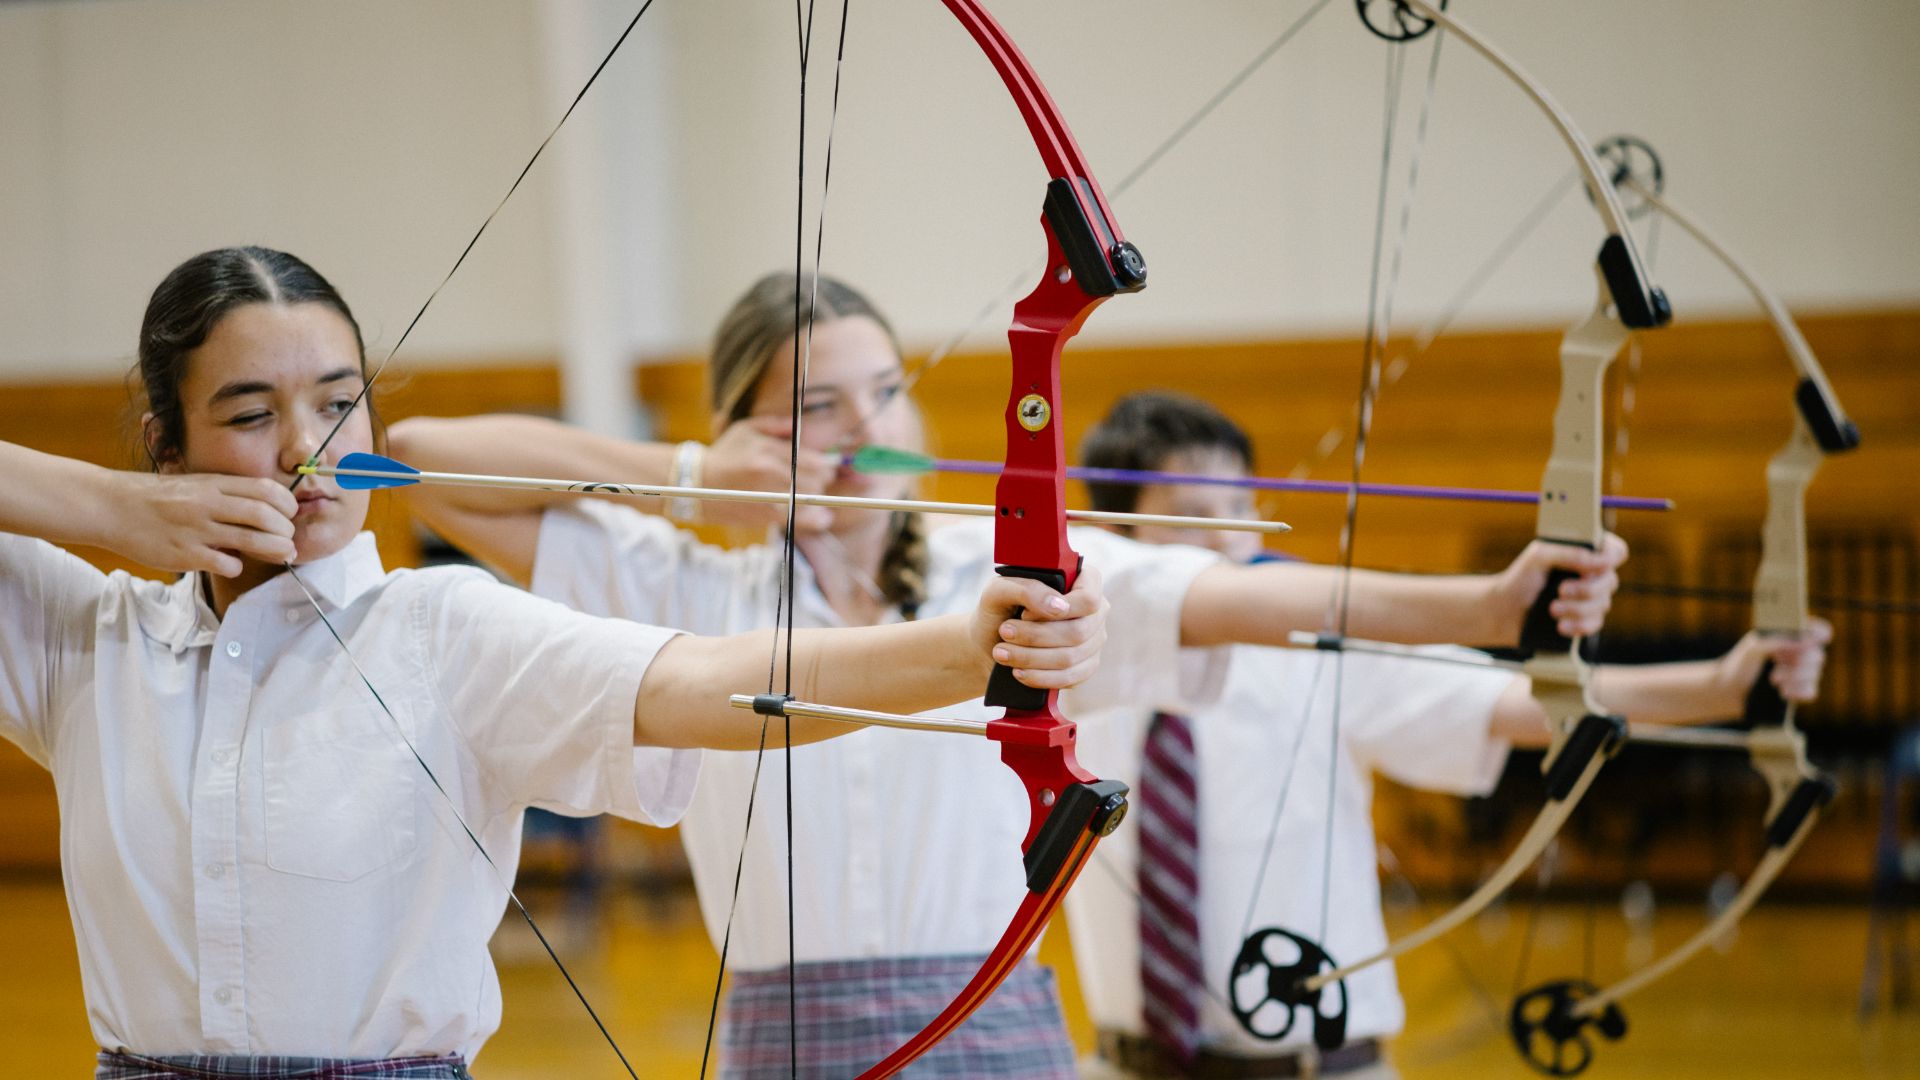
(261, 490)
(812, 519)
(267, 517)
(213, 561)
(251, 543)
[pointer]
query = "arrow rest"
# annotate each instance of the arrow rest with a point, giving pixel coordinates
(1551, 1035)
(1284, 985)
(1392, 20)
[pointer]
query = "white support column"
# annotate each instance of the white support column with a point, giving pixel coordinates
(610, 195)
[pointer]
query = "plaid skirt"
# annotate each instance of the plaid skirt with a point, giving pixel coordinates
(853, 1013)
(125, 1066)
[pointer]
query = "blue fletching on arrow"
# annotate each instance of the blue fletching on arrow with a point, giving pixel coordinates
(373, 463)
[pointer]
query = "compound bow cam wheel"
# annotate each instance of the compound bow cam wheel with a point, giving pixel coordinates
(1632, 165)
(1266, 992)
(1393, 20)
(1551, 1036)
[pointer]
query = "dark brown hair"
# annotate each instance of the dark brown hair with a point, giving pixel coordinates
(186, 307)
(1146, 429)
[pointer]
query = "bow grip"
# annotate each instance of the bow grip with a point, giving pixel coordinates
(1003, 690)
(1540, 631)
(1764, 705)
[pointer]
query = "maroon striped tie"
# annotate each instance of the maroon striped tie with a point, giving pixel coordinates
(1167, 814)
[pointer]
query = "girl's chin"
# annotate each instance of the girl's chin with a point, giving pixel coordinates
(311, 544)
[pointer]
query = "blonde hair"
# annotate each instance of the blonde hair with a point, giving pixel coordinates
(752, 331)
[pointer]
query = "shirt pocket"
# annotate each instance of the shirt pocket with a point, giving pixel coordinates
(341, 794)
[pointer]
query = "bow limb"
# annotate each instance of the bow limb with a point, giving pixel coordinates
(1088, 260)
(1548, 1022)
(1640, 305)
(1582, 734)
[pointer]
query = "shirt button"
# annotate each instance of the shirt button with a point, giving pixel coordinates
(233, 648)
(223, 995)
(216, 870)
(293, 615)
(221, 757)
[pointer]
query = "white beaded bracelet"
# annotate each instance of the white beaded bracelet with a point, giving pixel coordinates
(687, 459)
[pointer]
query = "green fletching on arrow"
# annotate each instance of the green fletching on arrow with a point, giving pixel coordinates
(889, 459)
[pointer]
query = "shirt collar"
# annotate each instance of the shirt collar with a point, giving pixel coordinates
(179, 617)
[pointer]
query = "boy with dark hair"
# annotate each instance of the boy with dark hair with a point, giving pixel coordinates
(1157, 928)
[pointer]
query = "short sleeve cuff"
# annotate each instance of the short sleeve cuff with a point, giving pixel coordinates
(652, 785)
(1143, 661)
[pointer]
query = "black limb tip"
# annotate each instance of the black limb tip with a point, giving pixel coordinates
(771, 704)
(1831, 429)
(1594, 734)
(1267, 994)
(1101, 265)
(1639, 303)
(1551, 1036)
(1810, 794)
(1096, 808)
(1003, 690)
(1393, 20)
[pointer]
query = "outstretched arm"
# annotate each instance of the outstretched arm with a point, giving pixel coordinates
(179, 523)
(1684, 692)
(502, 528)
(899, 668)
(1262, 604)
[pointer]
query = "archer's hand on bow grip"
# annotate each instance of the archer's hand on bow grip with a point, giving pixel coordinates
(1047, 640)
(1561, 591)
(1777, 669)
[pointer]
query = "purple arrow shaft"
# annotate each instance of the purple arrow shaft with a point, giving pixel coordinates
(1326, 487)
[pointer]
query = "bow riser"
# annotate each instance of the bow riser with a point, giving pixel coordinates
(1570, 486)
(1583, 735)
(1087, 261)
(1549, 1023)
(1569, 510)
(1780, 586)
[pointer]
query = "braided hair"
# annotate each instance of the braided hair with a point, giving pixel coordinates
(750, 334)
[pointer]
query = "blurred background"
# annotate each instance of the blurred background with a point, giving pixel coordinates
(372, 137)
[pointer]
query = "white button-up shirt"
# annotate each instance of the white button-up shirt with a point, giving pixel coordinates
(254, 861)
(905, 843)
(1424, 724)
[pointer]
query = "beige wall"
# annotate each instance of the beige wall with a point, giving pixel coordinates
(373, 136)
